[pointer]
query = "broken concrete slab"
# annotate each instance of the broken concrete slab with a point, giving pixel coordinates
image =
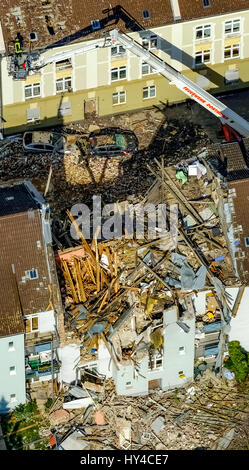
(158, 425)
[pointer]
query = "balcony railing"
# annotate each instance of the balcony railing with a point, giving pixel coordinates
(37, 369)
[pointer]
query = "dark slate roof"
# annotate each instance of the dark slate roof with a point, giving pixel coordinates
(15, 199)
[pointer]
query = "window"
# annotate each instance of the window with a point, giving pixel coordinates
(149, 92)
(63, 64)
(181, 374)
(95, 25)
(231, 51)
(33, 114)
(147, 69)
(33, 37)
(65, 109)
(13, 370)
(33, 274)
(232, 26)
(32, 90)
(31, 324)
(12, 398)
(11, 346)
(182, 350)
(118, 50)
(203, 32)
(146, 14)
(118, 73)
(232, 76)
(150, 42)
(156, 361)
(63, 84)
(128, 385)
(202, 57)
(206, 3)
(247, 241)
(119, 97)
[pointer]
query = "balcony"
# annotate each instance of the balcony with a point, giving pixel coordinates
(38, 361)
(40, 369)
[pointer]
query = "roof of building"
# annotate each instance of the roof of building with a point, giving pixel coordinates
(235, 161)
(68, 20)
(15, 199)
(22, 249)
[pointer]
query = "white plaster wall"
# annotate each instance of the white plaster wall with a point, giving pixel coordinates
(70, 357)
(2, 46)
(173, 361)
(104, 363)
(7, 82)
(12, 384)
(240, 324)
(46, 321)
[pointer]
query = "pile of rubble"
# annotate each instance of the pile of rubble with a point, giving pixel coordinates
(106, 284)
(208, 415)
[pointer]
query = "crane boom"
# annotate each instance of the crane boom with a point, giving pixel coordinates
(226, 115)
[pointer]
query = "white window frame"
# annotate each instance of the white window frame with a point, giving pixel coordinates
(152, 40)
(149, 92)
(64, 81)
(119, 52)
(13, 398)
(202, 54)
(119, 70)
(13, 372)
(35, 271)
(150, 69)
(65, 109)
(34, 119)
(202, 29)
(30, 319)
(237, 46)
(118, 93)
(11, 348)
(128, 385)
(233, 21)
(182, 350)
(32, 87)
(155, 359)
(181, 374)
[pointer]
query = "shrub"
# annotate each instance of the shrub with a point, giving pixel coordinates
(238, 361)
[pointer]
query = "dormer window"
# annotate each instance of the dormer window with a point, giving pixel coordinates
(146, 14)
(95, 25)
(33, 274)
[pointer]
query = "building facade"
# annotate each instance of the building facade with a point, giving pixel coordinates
(30, 306)
(209, 45)
(168, 367)
(12, 372)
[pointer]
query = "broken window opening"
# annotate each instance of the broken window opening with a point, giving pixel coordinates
(49, 25)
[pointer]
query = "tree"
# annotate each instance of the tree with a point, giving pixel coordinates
(238, 361)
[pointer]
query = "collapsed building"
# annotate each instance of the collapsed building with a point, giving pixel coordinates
(164, 314)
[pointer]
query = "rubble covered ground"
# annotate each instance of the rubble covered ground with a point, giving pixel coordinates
(76, 179)
(209, 414)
